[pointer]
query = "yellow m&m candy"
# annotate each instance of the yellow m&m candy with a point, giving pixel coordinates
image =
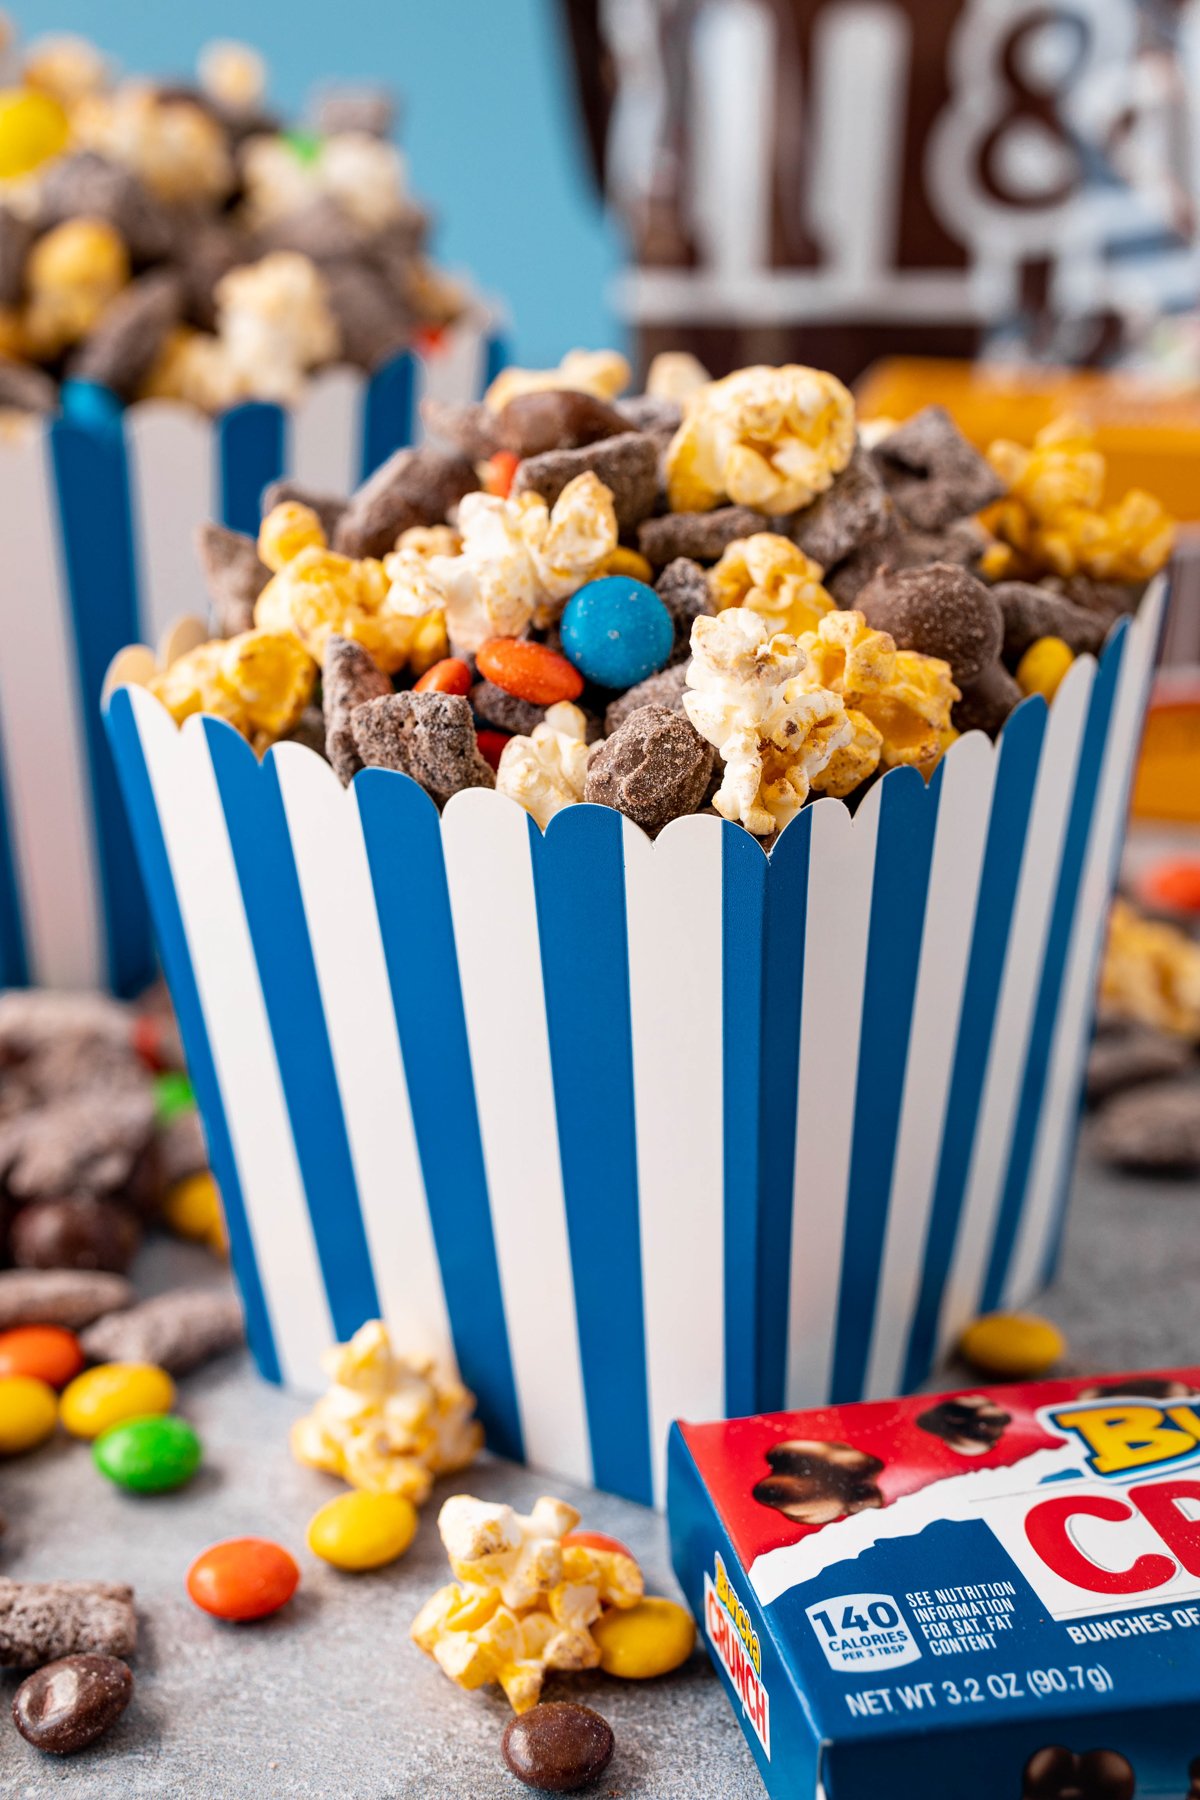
(1019, 1346)
(648, 1639)
(33, 128)
(112, 1393)
(361, 1530)
(28, 1413)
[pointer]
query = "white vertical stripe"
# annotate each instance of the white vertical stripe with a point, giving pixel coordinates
(968, 775)
(454, 370)
(343, 925)
(673, 904)
(840, 877)
(1058, 1122)
(206, 886)
(172, 467)
(1041, 858)
(485, 838)
(860, 62)
(327, 432)
(48, 792)
(732, 78)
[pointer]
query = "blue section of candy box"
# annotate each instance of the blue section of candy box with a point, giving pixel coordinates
(638, 1130)
(98, 512)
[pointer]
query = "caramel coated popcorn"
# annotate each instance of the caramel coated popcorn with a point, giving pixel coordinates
(904, 697)
(523, 1601)
(773, 578)
(1053, 520)
(602, 373)
(389, 1424)
(768, 438)
(1151, 973)
(260, 682)
(774, 733)
(177, 148)
(393, 611)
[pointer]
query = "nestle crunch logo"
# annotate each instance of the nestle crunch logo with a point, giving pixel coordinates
(736, 1646)
(1125, 1437)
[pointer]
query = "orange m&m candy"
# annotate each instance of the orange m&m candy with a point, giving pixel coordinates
(1173, 883)
(529, 670)
(450, 676)
(47, 1352)
(499, 472)
(243, 1578)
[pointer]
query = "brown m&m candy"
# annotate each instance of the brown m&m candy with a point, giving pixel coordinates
(814, 1482)
(1057, 1774)
(558, 1746)
(70, 1703)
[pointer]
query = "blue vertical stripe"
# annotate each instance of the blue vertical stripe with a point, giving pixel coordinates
(900, 887)
(1016, 776)
(1054, 959)
(388, 411)
(14, 961)
(579, 883)
(404, 848)
(185, 996)
(497, 356)
(251, 450)
(785, 920)
(95, 526)
(266, 868)
(744, 877)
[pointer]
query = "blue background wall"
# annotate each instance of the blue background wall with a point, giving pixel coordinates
(489, 126)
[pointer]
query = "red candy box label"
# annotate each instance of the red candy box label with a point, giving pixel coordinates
(1024, 1560)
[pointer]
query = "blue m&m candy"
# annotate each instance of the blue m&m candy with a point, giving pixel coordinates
(617, 631)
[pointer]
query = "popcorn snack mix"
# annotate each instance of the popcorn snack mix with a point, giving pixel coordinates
(526, 1595)
(179, 240)
(825, 605)
(991, 1592)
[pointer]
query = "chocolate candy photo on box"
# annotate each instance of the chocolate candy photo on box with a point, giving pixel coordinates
(926, 715)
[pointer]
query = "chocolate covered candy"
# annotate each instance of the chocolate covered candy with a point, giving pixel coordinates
(413, 487)
(1155, 1126)
(654, 768)
(81, 1232)
(558, 1747)
(627, 465)
(814, 1482)
(72, 1702)
(941, 611)
(1058, 1774)
(70, 1297)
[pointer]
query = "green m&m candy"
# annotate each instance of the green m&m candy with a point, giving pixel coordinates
(150, 1455)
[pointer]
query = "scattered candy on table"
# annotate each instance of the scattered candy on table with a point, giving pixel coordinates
(41, 1621)
(1015, 1346)
(113, 1392)
(68, 1704)
(243, 1579)
(28, 1413)
(362, 1530)
(47, 1352)
(558, 1747)
(148, 1456)
(651, 1638)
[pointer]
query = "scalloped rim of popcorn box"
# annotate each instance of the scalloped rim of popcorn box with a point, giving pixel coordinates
(970, 911)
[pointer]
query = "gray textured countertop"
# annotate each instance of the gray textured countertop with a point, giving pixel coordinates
(329, 1700)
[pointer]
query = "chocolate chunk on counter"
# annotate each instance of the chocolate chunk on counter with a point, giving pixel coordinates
(507, 712)
(1155, 1126)
(972, 1424)
(627, 465)
(932, 473)
(1032, 612)
(683, 589)
(1124, 1059)
(120, 351)
(413, 487)
(349, 678)
(428, 736)
(654, 768)
(233, 575)
(43, 1620)
(177, 1330)
(814, 1482)
(985, 703)
(850, 513)
(558, 1747)
(667, 688)
(70, 1297)
(328, 507)
(941, 611)
(72, 1702)
(556, 419)
(701, 535)
(1058, 1774)
(79, 1232)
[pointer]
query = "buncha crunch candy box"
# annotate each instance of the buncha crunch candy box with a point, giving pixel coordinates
(988, 1593)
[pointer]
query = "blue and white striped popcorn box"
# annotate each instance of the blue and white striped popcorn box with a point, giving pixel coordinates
(639, 1129)
(97, 521)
